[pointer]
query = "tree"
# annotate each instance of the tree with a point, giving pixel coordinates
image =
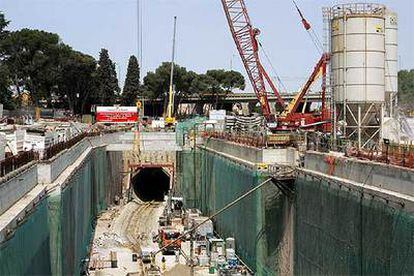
(131, 89)
(157, 83)
(32, 57)
(406, 88)
(77, 81)
(5, 93)
(233, 80)
(3, 24)
(108, 89)
(224, 83)
(228, 80)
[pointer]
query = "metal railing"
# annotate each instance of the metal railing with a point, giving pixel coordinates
(248, 139)
(17, 161)
(59, 147)
(394, 154)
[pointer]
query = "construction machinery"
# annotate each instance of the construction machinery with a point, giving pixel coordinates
(170, 119)
(246, 39)
(166, 235)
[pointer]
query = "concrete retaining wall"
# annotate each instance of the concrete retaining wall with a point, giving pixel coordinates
(262, 224)
(52, 236)
(49, 170)
(284, 156)
(250, 154)
(13, 189)
(389, 177)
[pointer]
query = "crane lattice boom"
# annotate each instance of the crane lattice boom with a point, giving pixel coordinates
(244, 36)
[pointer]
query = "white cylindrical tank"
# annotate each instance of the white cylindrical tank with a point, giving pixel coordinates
(358, 52)
(391, 52)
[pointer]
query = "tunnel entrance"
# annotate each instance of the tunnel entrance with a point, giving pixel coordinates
(151, 184)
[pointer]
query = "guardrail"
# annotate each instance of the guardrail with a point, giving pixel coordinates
(394, 154)
(17, 161)
(247, 139)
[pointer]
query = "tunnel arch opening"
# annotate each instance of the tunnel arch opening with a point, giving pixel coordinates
(151, 184)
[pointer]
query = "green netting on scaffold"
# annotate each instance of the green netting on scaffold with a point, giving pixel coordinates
(188, 176)
(72, 214)
(222, 181)
(27, 252)
(261, 223)
(343, 232)
(54, 239)
(183, 128)
(73, 209)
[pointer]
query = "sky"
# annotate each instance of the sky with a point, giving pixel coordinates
(203, 37)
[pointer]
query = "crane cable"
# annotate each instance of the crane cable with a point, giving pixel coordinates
(312, 34)
(281, 84)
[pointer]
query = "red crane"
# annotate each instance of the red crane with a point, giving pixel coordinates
(244, 35)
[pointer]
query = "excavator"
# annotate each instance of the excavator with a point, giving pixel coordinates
(291, 118)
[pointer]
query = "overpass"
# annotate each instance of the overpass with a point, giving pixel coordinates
(247, 97)
(226, 101)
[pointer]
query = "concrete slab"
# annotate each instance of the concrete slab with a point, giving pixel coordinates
(16, 213)
(384, 176)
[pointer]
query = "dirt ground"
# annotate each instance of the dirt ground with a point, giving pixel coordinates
(125, 230)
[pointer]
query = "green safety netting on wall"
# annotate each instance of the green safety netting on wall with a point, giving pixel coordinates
(342, 232)
(185, 127)
(27, 251)
(54, 239)
(209, 182)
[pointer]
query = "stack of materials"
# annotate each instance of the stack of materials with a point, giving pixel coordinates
(244, 124)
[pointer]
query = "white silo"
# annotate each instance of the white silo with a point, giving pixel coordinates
(391, 59)
(358, 68)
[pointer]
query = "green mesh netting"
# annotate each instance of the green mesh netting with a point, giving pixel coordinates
(340, 232)
(27, 251)
(222, 181)
(185, 127)
(208, 182)
(54, 239)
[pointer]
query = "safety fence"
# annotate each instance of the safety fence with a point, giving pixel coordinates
(395, 154)
(257, 140)
(17, 161)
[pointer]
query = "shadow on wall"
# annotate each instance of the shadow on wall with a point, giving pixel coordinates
(151, 184)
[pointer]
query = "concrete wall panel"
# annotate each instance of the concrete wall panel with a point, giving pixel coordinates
(15, 188)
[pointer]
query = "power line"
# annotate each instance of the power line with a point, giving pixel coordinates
(140, 23)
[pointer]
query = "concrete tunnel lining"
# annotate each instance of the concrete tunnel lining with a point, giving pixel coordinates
(151, 184)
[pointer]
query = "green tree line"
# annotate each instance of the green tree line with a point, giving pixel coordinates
(55, 75)
(406, 89)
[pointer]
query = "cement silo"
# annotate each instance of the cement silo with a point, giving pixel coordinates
(391, 59)
(358, 69)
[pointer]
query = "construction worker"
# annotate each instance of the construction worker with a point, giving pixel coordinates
(177, 256)
(163, 265)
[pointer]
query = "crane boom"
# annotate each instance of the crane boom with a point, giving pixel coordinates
(244, 36)
(319, 70)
